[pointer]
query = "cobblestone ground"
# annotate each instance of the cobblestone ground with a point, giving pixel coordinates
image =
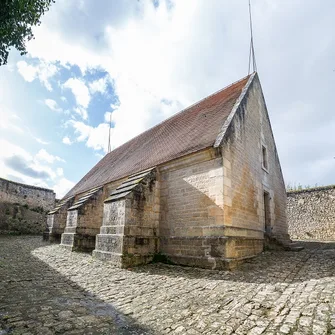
(47, 290)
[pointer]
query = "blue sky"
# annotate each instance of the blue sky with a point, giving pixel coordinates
(143, 61)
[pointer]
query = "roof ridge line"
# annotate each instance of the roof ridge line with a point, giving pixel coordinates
(231, 115)
(185, 109)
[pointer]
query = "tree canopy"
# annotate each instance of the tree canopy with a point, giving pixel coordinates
(17, 17)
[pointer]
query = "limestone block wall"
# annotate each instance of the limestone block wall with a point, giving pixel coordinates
(16, 193)
(246, 179)
(129, 232)
(191, 209)
(23, 208)
(89, 217)
(311, 214)
(142, 220)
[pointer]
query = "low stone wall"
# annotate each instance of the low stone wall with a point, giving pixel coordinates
(23, 208)
(21, 219)
(17, 193)
(311, 213)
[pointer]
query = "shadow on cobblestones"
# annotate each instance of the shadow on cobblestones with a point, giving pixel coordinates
(36, 299)
(45, 289)
(316, 261)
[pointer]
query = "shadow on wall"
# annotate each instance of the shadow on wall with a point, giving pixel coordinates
(35, 297)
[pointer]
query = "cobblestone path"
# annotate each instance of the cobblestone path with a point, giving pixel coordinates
(47, 290)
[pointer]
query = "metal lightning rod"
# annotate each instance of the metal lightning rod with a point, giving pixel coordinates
(252, 58)
(109, 134)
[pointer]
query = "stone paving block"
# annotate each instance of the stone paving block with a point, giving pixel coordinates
(46, 290)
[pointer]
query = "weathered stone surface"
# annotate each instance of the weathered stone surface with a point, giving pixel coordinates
(23, 207)
(21, 219)
(83, 221)
(311, 213)
(129, 232)
(46, 290)
(33, 196)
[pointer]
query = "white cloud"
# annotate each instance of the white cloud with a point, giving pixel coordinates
(60, 172)
(43, 71)
(9, 121)
(43, 155)
(38, 140)
(95, 137)
(15, 161)
(99, 85)
(165, 58)
(18, 164)
(52, 104)
(62, 186)
(82, 112)
(79, 90)
(66, 140)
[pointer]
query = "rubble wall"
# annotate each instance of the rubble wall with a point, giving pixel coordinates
(311, 214)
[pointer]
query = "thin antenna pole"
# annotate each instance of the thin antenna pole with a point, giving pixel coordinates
(109, 134)
(252, 50)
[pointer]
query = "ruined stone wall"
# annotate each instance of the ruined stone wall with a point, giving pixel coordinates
(311, 214)
(245, 178)
(16, 193)
(23, 208)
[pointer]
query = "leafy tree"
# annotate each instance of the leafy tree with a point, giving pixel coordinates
(17, 17)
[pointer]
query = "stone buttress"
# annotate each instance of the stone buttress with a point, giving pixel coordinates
(56, 220)
(129, 232)
(83, 221)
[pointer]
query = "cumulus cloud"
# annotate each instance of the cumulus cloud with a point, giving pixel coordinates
(43, 155)
(52, 104)
(16, 161)
(79, 90)
(19, 164)
(43, 71)
(82, 112)
(66, 140)
(99, 85)
(165, 57)
(94, 137)
(62, 187)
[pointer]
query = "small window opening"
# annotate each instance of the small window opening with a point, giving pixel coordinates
(265, 164)
(267, 217)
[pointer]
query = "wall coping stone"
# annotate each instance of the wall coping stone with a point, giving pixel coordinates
(312, 189)
(28, 186)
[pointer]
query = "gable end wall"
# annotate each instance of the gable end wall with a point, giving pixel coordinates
(245, 180)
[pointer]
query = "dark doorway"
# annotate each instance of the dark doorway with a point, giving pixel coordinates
(267, 217)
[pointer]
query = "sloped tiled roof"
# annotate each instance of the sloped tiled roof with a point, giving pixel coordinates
(191, 130)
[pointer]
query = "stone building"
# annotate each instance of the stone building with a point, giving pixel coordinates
(203, 188)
